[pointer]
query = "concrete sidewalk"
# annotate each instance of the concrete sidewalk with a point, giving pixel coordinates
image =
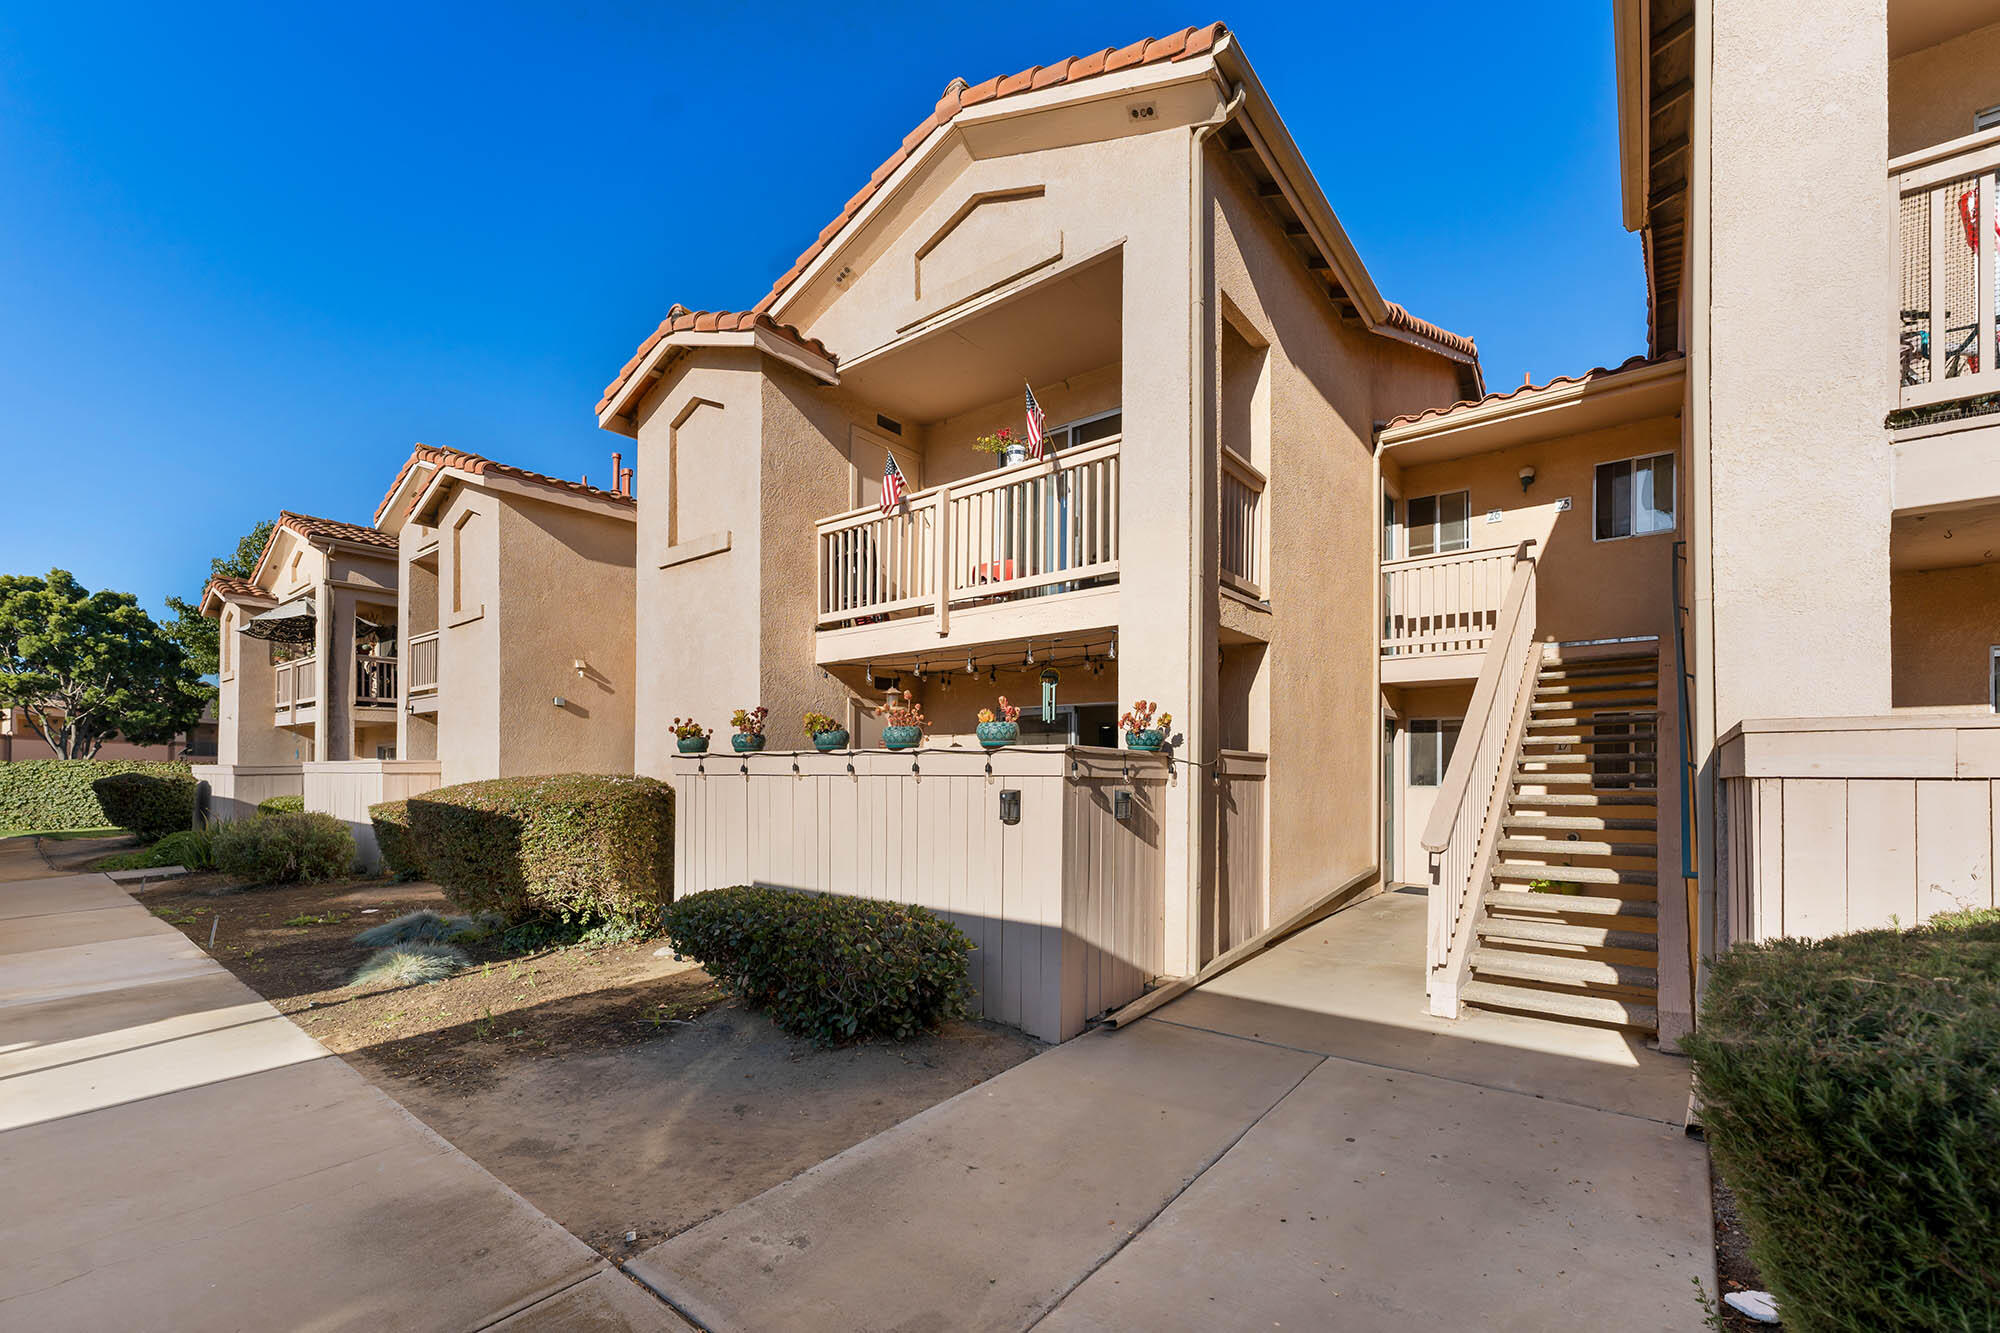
(178, 1156)
(1297, 1144)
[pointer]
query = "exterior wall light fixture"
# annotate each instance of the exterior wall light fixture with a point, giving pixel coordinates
(1527, 478)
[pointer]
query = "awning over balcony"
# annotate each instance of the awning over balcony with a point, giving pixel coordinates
(294, 622)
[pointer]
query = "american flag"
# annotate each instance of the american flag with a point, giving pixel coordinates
(892, 482)
(1034, 424)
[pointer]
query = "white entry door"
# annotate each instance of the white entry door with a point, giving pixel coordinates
(1427, 744)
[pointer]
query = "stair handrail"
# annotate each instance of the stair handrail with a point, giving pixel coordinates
(1462, 834)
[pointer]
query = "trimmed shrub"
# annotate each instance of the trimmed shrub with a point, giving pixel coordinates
(392, 837)
(409, 965)
(285, 849)
(1851, 1094)
(827, 968)
(282, 805)
(574, 846)
(152, 805)
(57, 794)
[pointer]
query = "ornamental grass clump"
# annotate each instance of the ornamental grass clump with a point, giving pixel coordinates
(829, 969)
(1851, 1098)
(423, 927)
(409, 965)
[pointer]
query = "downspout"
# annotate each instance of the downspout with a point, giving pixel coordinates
(1200, 793)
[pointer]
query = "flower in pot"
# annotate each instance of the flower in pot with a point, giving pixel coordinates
(1001, 727)
(1142, 730)
(903, 722)
(690, 735)
(749, 724)
(824, 732)
(1005, 444)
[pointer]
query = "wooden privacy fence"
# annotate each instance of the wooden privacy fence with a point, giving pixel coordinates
(1064, 906)
(1242, 898)
(345, 789)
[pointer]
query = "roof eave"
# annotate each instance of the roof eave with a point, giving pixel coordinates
(1643, 386)
(1629, 45)
(617, 414)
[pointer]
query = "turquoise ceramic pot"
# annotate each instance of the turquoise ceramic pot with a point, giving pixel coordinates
(902, 738)
(745, 744)
(993, 735)
(692, 744)
(830, 740)
(1152, 738)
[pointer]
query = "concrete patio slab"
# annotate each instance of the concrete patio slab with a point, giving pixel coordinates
(30, 976)
(42, 894)
(982, 1211)
(1372, 1199)
(54, 930)
(1352, 986)
(604, 1303)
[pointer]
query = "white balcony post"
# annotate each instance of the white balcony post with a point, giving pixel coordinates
(941, 565)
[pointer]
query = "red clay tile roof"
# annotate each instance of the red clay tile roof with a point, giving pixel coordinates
(225, 586)
(1467, 404)
(479, 466)
(327, 529)
(1399, 318)
(681, 320)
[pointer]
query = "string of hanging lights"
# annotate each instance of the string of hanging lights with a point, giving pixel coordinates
(1090, 655)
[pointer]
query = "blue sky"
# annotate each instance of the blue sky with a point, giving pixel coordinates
(247, 256)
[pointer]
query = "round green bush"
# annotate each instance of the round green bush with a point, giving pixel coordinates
(573, 846)
(193, 849)
(827, 968)
(151, 805)
(1850, 1094)
(285, 849)
(391, 820)
(282, 805)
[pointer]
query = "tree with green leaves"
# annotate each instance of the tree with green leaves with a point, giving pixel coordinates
(196, 633)
(86, 666)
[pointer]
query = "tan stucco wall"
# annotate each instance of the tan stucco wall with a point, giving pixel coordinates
(1793, 361)
(469, 644)
(1934, 92)
(1324, 381)
(1946, 624)
(565, 594)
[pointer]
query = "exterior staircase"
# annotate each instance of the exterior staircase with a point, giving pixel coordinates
(1568, 927)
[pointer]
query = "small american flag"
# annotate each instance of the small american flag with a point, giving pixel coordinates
(1034, 424)
(892, 482)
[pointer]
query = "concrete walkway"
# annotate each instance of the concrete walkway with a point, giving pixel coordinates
(1296, 1145)
(177, 1155)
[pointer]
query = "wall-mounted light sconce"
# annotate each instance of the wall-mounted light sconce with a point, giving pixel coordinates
(581, 667)
(1121, 806)
(1010, 806)
(560, 702)
(1527, 478)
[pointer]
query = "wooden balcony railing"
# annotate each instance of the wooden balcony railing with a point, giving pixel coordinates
(1950, 245)
(1444, 603)
(298, 683)
(424, 663)
(375, 680)
(1242, 529)
(1035, 528)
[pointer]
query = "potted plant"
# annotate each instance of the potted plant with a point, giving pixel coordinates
(749, 724)
(824, 732)
(1141, 730)
(1003, 444)
(999, 728)
(903, 722)
(690, 735)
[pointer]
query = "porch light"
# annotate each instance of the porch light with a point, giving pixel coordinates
(560, 702)
(1031, 654)
(920, 668)
(1527, 478)
(1010, 807)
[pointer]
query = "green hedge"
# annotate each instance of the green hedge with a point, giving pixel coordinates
(282, 805)
(56, 793)
(577, 846)
(1851, 1095)
(152, 805)
(392, 836)
(827, 967)
(285, 849)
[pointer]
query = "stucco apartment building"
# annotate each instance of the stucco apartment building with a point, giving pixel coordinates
(1750, 686)
(1133, 237)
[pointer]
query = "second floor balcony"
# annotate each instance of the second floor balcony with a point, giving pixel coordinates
(1439, 612)
(1021, 549)
(1949, 245)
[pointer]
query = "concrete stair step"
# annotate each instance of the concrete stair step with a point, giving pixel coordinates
(1593, 687)
(1526, 900)
(1584, 724)
(1576, 822)
(1563, 932)
(1591, 1008)
(1594, 670)
(1574, 874)
(1563, 970)
(1566, 847)
(1622, 704)
(1590, 737)
(1639, 797)
(1571, 757)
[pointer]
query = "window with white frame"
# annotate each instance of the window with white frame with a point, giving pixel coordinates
(1432, 740)
(1635, 496)
(1084, 430)
(1436, 524)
